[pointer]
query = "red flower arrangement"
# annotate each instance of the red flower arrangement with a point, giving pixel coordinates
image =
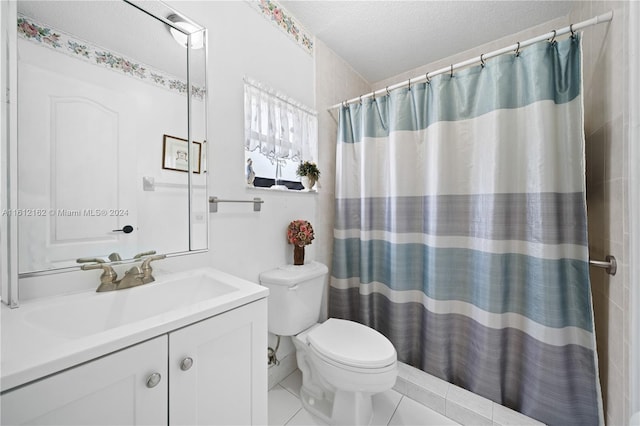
(300, 233)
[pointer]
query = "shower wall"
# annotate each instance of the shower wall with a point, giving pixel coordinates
(606, 124)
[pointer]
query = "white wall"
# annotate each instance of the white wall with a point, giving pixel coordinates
(241, 242)
(241, 42)
(244, 43)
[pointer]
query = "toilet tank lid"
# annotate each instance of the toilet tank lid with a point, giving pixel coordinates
(290, 275)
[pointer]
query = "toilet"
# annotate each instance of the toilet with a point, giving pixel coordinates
(343, 363)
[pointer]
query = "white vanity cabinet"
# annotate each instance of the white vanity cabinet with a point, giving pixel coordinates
(111, 390)
(209, 372)
(217, 369)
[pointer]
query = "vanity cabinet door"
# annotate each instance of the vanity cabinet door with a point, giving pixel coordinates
(218, 369)
(116, 389)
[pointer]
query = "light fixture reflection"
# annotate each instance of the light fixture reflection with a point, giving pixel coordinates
(197, 35)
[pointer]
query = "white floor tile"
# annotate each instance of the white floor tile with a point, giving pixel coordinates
(293, 382)
(412, 413)
(303, 418)
(282, 405)
(384, 405)
(389, 408)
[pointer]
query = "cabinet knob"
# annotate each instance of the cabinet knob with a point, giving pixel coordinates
(186, 364)
(153, 380)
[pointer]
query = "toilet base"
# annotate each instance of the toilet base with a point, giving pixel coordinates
(347, 409)
(320, 408)
(352, 408)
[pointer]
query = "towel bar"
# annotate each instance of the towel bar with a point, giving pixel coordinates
(213, 203)
(609, 264)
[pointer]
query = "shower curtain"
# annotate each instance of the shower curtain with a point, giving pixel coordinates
(461, 230)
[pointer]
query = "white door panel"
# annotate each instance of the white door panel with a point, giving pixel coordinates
(77, 169)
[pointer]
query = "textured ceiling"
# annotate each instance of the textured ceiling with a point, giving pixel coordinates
(380, 39)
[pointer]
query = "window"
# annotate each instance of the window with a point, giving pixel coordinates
(279, 134)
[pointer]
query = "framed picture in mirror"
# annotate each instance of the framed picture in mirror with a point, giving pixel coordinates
(175, 155)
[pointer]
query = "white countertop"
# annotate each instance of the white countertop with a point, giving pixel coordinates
(33, 348)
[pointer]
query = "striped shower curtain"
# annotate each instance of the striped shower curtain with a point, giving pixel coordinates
(461, 230)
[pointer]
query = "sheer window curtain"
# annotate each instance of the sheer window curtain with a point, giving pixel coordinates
(278, 126)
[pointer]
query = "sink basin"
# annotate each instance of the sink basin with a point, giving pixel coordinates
(47, 335)
(91, 313)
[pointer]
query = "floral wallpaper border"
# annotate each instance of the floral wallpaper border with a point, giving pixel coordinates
(281, 18)
(38, 33)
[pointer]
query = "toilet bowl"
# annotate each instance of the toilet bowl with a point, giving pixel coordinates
(343, 363)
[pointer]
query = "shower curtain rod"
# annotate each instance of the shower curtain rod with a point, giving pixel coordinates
(605, 17)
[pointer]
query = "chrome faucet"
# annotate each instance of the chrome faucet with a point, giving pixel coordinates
(135, 276)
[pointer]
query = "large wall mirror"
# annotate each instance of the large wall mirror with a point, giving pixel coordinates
(111, 124)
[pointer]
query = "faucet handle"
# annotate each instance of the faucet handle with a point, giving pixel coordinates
(146, 267)
(115, 257)
(89, 260)
(144, 253)
(108, 277)
(148, 260)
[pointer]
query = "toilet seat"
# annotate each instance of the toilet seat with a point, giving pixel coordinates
(352, 346)
(344, 368)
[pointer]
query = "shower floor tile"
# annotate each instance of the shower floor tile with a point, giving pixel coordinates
(389, 408)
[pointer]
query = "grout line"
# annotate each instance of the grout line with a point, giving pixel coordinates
(291, 392)
(298, 399)
(290, 374)
(291, 418)
(284, 387)
(395, 410)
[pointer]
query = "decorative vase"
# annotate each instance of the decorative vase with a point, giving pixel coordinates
(308, 182)
(298, 255)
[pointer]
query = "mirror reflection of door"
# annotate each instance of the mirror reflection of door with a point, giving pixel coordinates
(94, 102)
(77, 162)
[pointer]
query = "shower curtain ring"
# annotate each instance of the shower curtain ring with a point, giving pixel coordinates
(427, 77)
(482, 63)
(451, 71)
(553, 39)
(573, 33)
(409, 84)
(360, 99)
(518, 50)
(387, 89)
(344, 103)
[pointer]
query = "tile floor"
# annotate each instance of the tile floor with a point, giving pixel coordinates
(389, 408)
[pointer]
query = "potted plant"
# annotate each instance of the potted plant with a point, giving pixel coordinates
(309, 174)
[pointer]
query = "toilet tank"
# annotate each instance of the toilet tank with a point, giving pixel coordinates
(295, 296)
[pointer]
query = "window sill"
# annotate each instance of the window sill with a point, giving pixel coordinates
(291, 191)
